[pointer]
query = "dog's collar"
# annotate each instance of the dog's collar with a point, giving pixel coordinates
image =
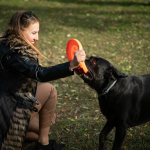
(105, 92)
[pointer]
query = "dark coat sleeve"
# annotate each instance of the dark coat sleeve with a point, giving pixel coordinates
(32, 69)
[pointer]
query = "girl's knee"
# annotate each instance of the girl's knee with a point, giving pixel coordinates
(51, 88)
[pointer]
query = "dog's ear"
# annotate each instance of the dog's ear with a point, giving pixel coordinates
(117, 73)
(113, 73)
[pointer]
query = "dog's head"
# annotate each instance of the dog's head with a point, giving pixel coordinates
(100, 72)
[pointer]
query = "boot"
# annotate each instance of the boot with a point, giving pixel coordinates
(51, 146)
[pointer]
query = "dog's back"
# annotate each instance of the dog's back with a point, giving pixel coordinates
(144, 103)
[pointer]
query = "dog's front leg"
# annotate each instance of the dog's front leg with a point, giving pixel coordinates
(119, 137)
(103, 135)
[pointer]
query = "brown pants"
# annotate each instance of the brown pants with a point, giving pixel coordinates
(47, 96)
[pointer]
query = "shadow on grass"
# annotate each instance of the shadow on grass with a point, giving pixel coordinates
(84, 17)
(101, 3)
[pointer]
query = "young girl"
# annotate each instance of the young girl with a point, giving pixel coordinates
(20, 97)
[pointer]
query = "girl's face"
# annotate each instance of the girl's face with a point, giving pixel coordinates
(31, 33)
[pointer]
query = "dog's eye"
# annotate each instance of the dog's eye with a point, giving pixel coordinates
(94, 62)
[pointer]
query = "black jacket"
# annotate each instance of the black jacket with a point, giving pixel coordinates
(19, 74)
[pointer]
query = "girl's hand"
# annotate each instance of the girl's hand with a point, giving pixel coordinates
(79, 56)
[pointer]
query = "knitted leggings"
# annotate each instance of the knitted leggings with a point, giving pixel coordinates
(47, 96)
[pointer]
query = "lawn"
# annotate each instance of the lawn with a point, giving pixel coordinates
(117, 30)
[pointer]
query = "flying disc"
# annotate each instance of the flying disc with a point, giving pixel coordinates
(72, 46)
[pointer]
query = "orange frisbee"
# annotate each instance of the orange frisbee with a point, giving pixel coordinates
(72, 46)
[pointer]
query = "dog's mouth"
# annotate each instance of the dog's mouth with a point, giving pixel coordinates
(85, 76)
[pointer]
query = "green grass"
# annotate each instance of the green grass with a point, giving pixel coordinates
(118, 30)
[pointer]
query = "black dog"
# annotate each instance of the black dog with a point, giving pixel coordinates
(124, 100)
